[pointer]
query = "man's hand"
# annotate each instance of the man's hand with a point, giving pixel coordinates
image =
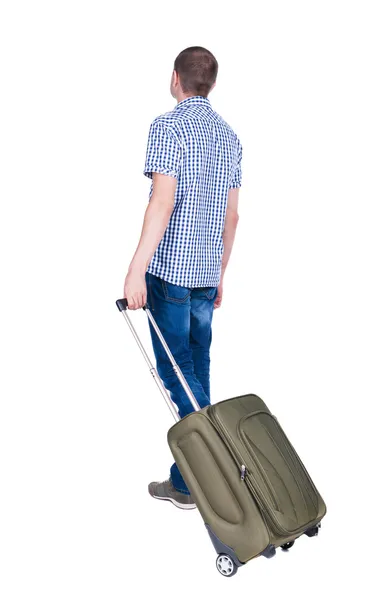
(135, 289)
(219, 297)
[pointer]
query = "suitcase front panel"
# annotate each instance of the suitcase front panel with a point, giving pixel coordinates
(274, 473)
(278, 474)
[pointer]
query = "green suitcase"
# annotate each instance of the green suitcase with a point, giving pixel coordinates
(248, 482)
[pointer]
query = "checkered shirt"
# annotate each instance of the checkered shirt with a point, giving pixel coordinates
(195, 145)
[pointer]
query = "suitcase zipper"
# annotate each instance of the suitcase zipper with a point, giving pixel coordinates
(231, 446)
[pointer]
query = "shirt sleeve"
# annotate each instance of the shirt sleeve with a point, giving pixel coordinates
(163, 154)
(236, 179)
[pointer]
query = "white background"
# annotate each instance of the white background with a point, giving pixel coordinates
(303, 324)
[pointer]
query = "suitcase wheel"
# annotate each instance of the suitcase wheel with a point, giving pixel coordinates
(313, 531)
(287, 546)
(226, 565)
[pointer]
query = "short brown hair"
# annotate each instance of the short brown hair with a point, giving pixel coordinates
(197, 69)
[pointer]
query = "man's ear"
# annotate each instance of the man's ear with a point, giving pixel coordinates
(175, 78)
(212, 87)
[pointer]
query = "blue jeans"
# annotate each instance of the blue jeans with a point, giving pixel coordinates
(184, 317)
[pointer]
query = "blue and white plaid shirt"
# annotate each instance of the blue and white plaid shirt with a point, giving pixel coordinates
(195, 145)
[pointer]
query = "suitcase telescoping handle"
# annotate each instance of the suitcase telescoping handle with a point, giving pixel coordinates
(122, 306)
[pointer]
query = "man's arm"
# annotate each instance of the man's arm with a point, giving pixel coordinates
(230, 226)
(156, 219)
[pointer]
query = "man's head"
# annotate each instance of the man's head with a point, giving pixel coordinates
(194, 73)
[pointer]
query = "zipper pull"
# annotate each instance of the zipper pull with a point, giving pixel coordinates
(243, 472)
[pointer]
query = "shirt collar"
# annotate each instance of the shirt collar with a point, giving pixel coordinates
(193, 100)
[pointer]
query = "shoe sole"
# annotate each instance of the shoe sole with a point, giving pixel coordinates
(175, 502)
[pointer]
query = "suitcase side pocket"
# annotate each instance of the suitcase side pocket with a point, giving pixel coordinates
(213, 478)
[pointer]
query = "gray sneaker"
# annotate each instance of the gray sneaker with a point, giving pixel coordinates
(164, 490)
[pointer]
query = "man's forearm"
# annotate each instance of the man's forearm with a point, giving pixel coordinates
(228, 238)
(156, 219)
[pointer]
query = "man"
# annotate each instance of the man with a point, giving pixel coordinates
(194, 160)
